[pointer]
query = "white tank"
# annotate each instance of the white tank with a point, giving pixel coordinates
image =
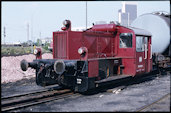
(159, 25)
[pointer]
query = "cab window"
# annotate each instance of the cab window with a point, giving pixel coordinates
(125, 40)
(139, 43)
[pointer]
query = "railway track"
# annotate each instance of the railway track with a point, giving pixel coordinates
(25, 100)
(55, 93)
(146, 107)
(47, 88)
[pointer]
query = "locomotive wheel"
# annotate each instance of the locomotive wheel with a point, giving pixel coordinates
(40, 80)
(60, 80)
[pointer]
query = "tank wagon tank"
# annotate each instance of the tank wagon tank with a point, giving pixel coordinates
(158, 23)
(84, 59)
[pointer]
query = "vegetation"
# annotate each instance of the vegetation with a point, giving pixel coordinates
(14, 50)
(23, 48)
(19, 50)
(46, 46)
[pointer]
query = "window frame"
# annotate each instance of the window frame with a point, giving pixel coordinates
(127, 37)
(142, 43)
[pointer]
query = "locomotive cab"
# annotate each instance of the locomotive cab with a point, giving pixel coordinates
(135, 50)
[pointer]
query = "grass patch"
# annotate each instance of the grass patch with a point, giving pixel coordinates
(18, 50)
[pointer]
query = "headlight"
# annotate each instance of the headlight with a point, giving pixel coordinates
(35, 51)
(80, 51)
(65, 22)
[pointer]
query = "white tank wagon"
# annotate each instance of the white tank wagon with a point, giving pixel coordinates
(158, 23)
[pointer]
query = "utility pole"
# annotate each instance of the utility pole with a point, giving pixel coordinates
(86, 14)
(39, 41)
(32, 33)
(4, 34)
(40, 35)
(27, 31)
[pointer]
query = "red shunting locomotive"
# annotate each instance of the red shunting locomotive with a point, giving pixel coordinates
(82, 59)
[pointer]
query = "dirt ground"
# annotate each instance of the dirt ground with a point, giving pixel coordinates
(11, 71)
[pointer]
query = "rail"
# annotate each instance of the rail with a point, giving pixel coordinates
(25, 100)
(154, 102)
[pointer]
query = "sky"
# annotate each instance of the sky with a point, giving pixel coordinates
(40, 19)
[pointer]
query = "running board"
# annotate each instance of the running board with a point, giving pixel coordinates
(117, 78)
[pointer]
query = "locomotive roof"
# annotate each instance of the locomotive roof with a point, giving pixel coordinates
(139, 31)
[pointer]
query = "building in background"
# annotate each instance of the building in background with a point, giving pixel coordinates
(46, 40)
(128, 13)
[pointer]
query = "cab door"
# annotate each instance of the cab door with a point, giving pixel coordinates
(143, 54)
(141, 58)
(148, 53)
